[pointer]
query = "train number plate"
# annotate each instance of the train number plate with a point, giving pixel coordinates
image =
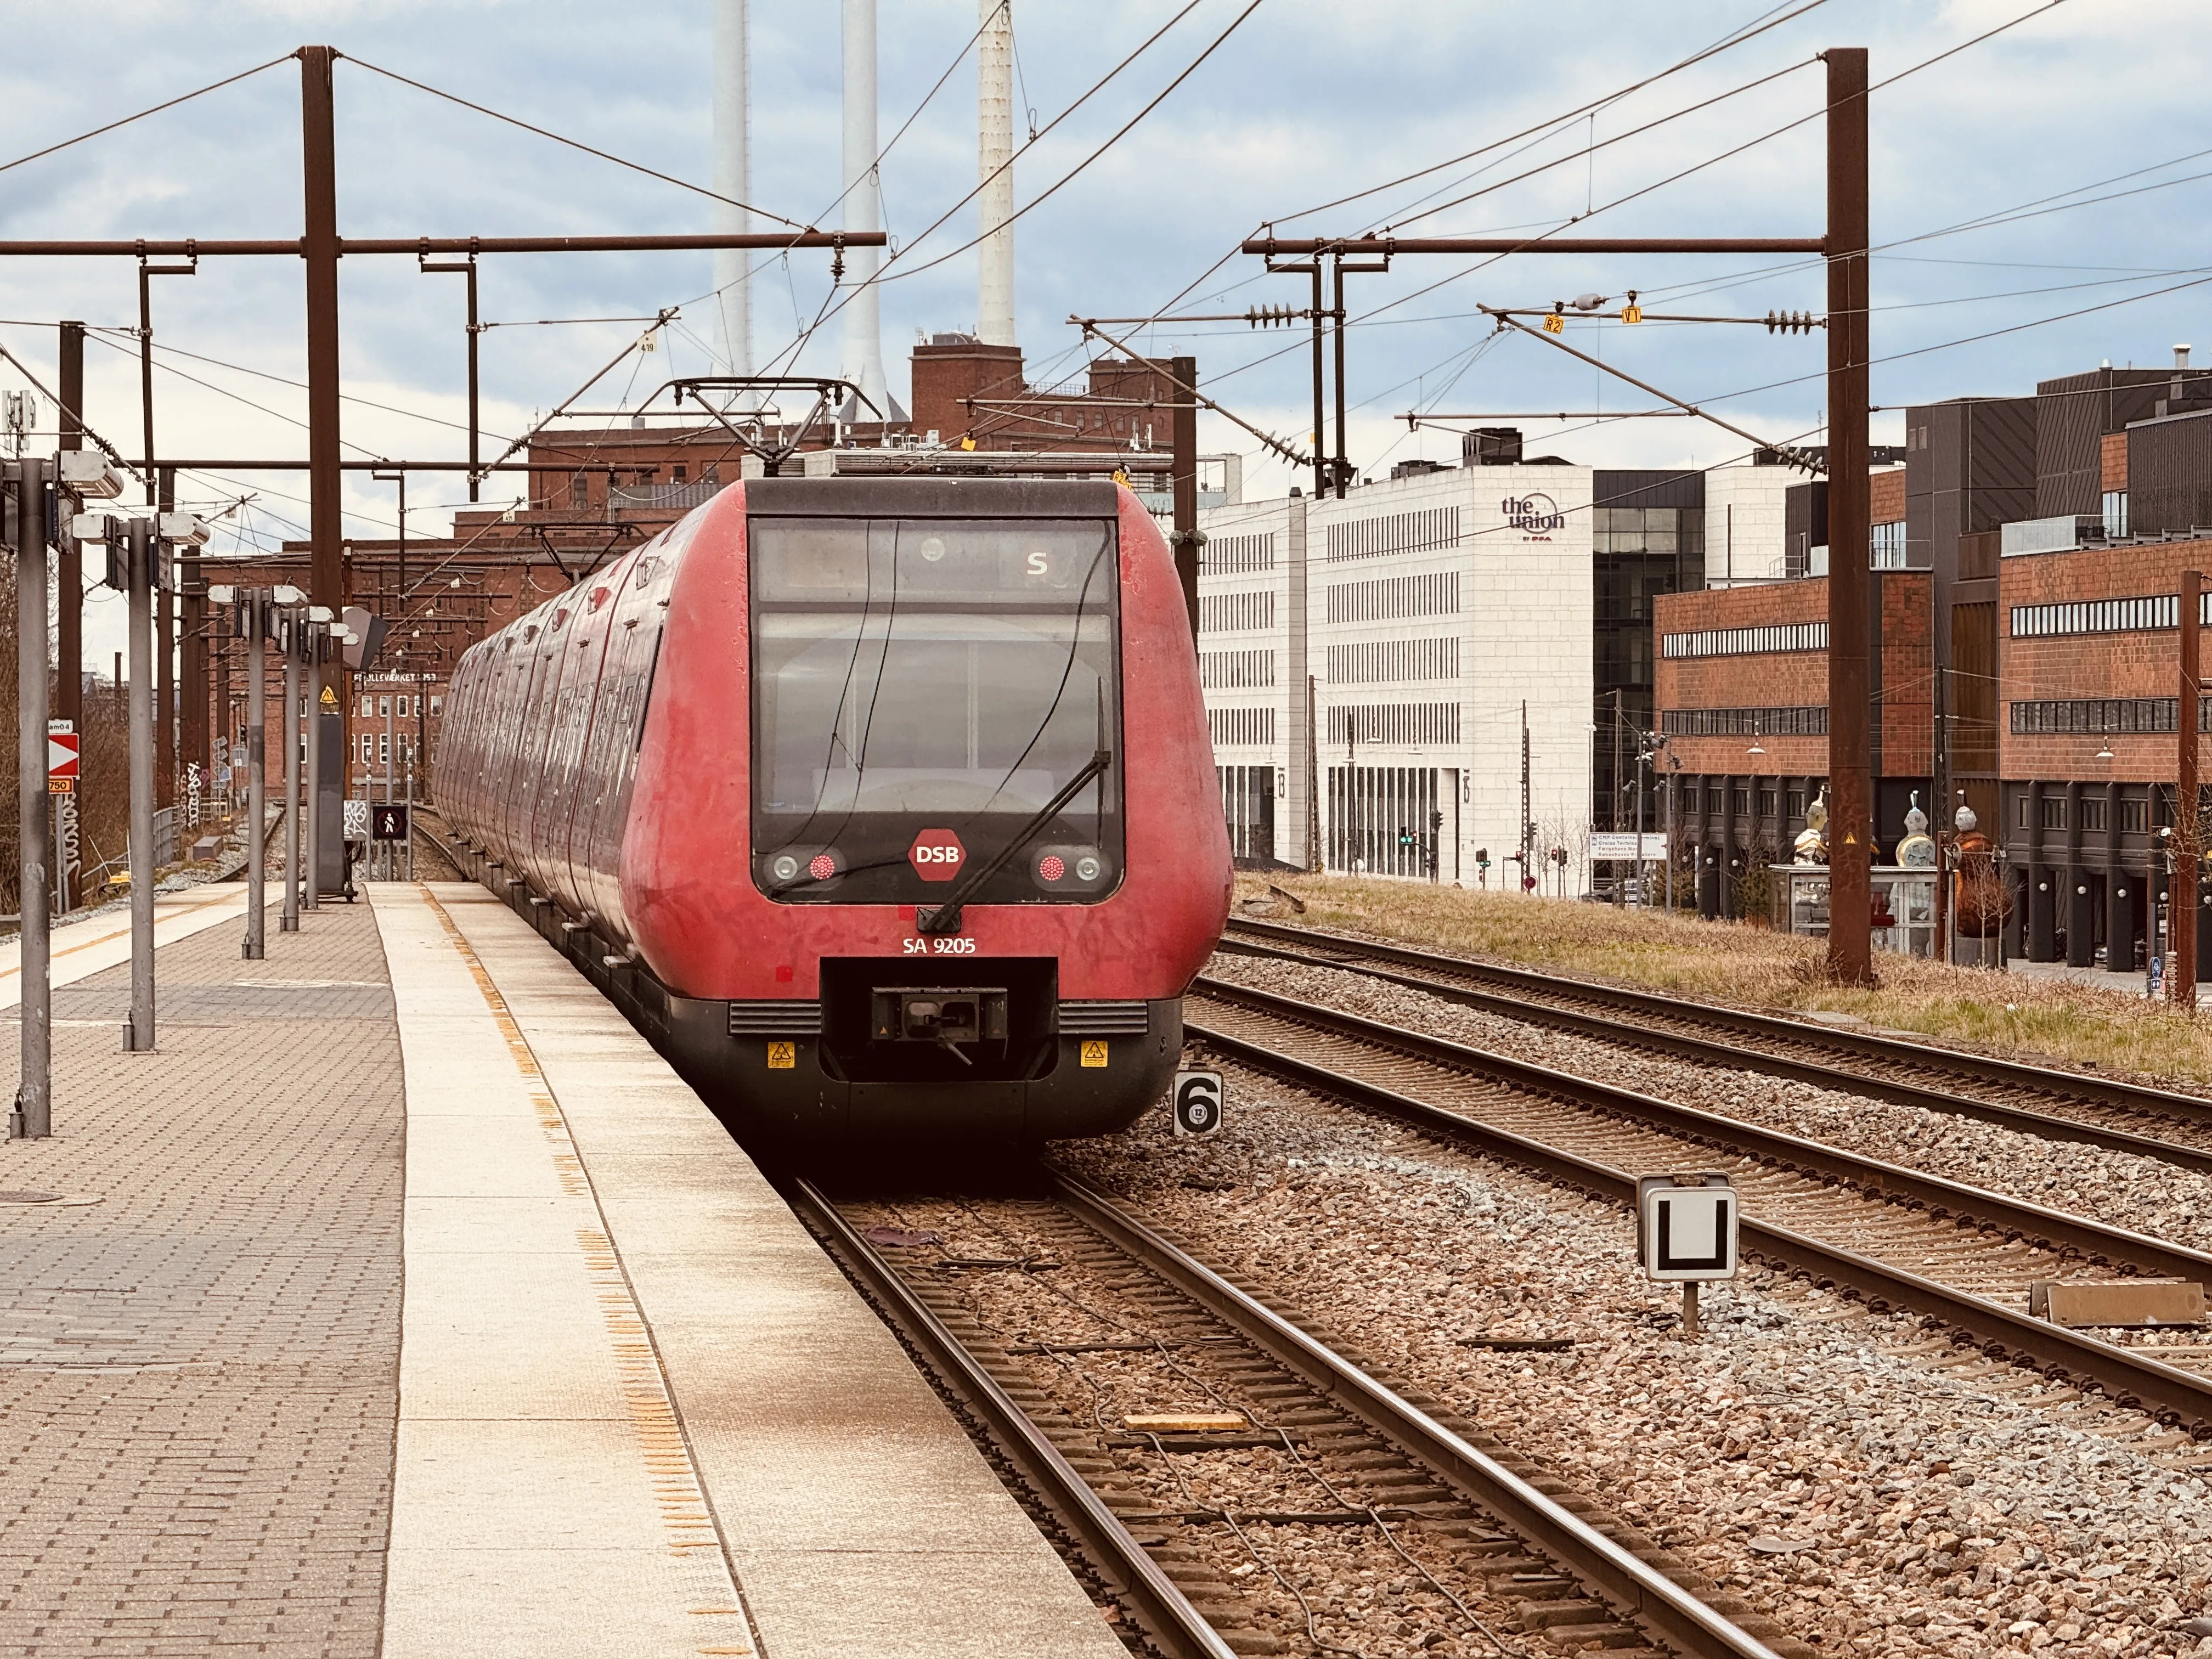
(940, 947)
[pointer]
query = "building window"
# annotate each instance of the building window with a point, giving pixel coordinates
(383, 707)
(437, 704)
(1394, 723)
(1229, 613)
(1766, 803)
(1237, 671)
(2093, 813)
(2149, 612)
(580, 489)
(2019, 814)
(2116, 514)
(1237, 555)
(1740, 802)
(1804, 722)
(1889, 545)
(1392, 659)
(1713, 799)
(1391, 599)
(1247, 728)
(2054, 811)
(1421, 532)
(2104, 716)
(683, 472)
(1746, 641)
(399, 706)
(1796, 803)
(2134, 818)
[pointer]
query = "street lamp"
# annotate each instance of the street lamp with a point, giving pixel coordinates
(138, 561)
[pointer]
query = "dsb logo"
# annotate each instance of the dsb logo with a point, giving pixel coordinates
(937, 855)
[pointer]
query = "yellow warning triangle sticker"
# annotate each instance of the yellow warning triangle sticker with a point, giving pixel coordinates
(330, 698)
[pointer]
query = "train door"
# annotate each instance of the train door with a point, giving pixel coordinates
(603, 812)
(592, 649)
(534, 733)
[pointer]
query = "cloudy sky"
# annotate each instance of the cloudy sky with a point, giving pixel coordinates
(1998, 268)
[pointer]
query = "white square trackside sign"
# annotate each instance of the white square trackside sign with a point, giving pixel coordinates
(1685, 1227)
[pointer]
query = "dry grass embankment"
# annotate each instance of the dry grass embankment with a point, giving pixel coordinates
(1750, 967)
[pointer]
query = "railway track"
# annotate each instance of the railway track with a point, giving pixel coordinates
(2053, 1104)
(1895, 1237)
(1248, 1537)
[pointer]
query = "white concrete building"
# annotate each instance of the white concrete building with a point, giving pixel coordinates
(1367, 662)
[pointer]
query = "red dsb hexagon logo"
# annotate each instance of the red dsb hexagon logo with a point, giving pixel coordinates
(937, 855)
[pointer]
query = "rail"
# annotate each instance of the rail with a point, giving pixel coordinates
(2176, 1396)
(1765, 1042)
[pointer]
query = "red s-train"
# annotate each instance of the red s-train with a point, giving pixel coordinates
(882, 805)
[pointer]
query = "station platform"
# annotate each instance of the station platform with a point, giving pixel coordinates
(402, 1302)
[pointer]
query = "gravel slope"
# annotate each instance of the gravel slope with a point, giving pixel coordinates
(1822, 1461)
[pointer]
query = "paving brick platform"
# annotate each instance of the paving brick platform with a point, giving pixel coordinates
(199, 1372)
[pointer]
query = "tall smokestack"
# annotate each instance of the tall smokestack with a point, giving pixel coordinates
(995, 120)
(732, 179)
(864, 335)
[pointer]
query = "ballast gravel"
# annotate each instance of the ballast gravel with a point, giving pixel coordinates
(1867, 1487)
(2120, 1189)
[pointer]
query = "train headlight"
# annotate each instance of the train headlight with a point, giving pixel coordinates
(1089, 868)
(784, 867)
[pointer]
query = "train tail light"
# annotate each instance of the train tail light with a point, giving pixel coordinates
(1074, 870)
(790, 869)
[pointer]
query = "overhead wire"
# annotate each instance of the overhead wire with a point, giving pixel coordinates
(1069, 176)
(1749, 32)
(833, 304)
(1554, 122)
(1738, 150)
(185, 98)
(573, 144)
(160, 350)
(1591, 150)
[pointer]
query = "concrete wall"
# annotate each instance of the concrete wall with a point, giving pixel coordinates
(1743, 522)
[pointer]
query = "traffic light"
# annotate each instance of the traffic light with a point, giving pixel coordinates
(1406, 837)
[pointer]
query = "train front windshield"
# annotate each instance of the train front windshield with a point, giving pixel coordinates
(923, 691)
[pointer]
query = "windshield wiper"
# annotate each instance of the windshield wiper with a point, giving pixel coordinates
(945, 917)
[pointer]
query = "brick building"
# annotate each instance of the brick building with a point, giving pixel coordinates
(2023, 657)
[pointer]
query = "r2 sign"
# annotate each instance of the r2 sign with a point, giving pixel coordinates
(937, 855)
(1197, 1100)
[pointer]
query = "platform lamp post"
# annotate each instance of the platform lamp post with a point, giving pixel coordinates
(137, 562)
(289, 641)
(255, 617)
(314, 648)
(40, 486)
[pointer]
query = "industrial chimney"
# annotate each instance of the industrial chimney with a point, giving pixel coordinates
(995, 118)
(732, 179)
(864, 341)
